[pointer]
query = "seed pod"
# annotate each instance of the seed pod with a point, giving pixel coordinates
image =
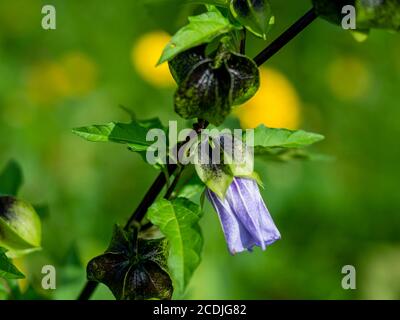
(20, 227)
(133, 270)
(183, 63)
(255, 15)
(214, 84)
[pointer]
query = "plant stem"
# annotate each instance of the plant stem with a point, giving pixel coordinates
(160, 181)
(146, 202)
(171, 189)
(150, 197)
(286, 37)
(88, 290)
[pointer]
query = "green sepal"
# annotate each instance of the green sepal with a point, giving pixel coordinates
(235, 160)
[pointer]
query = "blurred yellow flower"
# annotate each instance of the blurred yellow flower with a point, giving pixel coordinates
(276, 104)
(48, 82)
(348, 78)
(81, 72)
(145, 55)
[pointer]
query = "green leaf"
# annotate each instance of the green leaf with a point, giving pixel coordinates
(7, 269)
(132, 134)
(11, 179)
(178, 221)
(133, 269)
(266, 138)
(201, 29)
(255, 15)
(285, 155)
(191, 188)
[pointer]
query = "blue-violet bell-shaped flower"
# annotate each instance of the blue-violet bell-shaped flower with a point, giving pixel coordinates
(244, 216)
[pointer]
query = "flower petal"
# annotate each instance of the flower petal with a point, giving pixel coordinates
(244, 216)
(256, 218)
(237, 237)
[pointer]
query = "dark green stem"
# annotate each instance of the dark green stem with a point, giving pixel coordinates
(286, 37)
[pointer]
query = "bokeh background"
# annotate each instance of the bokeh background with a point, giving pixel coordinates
(331, 213)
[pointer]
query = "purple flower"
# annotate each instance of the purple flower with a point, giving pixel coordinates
(244, 217)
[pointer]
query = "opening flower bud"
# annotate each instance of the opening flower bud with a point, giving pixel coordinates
(20, 227)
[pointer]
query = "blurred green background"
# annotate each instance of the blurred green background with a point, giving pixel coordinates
(330, 214)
